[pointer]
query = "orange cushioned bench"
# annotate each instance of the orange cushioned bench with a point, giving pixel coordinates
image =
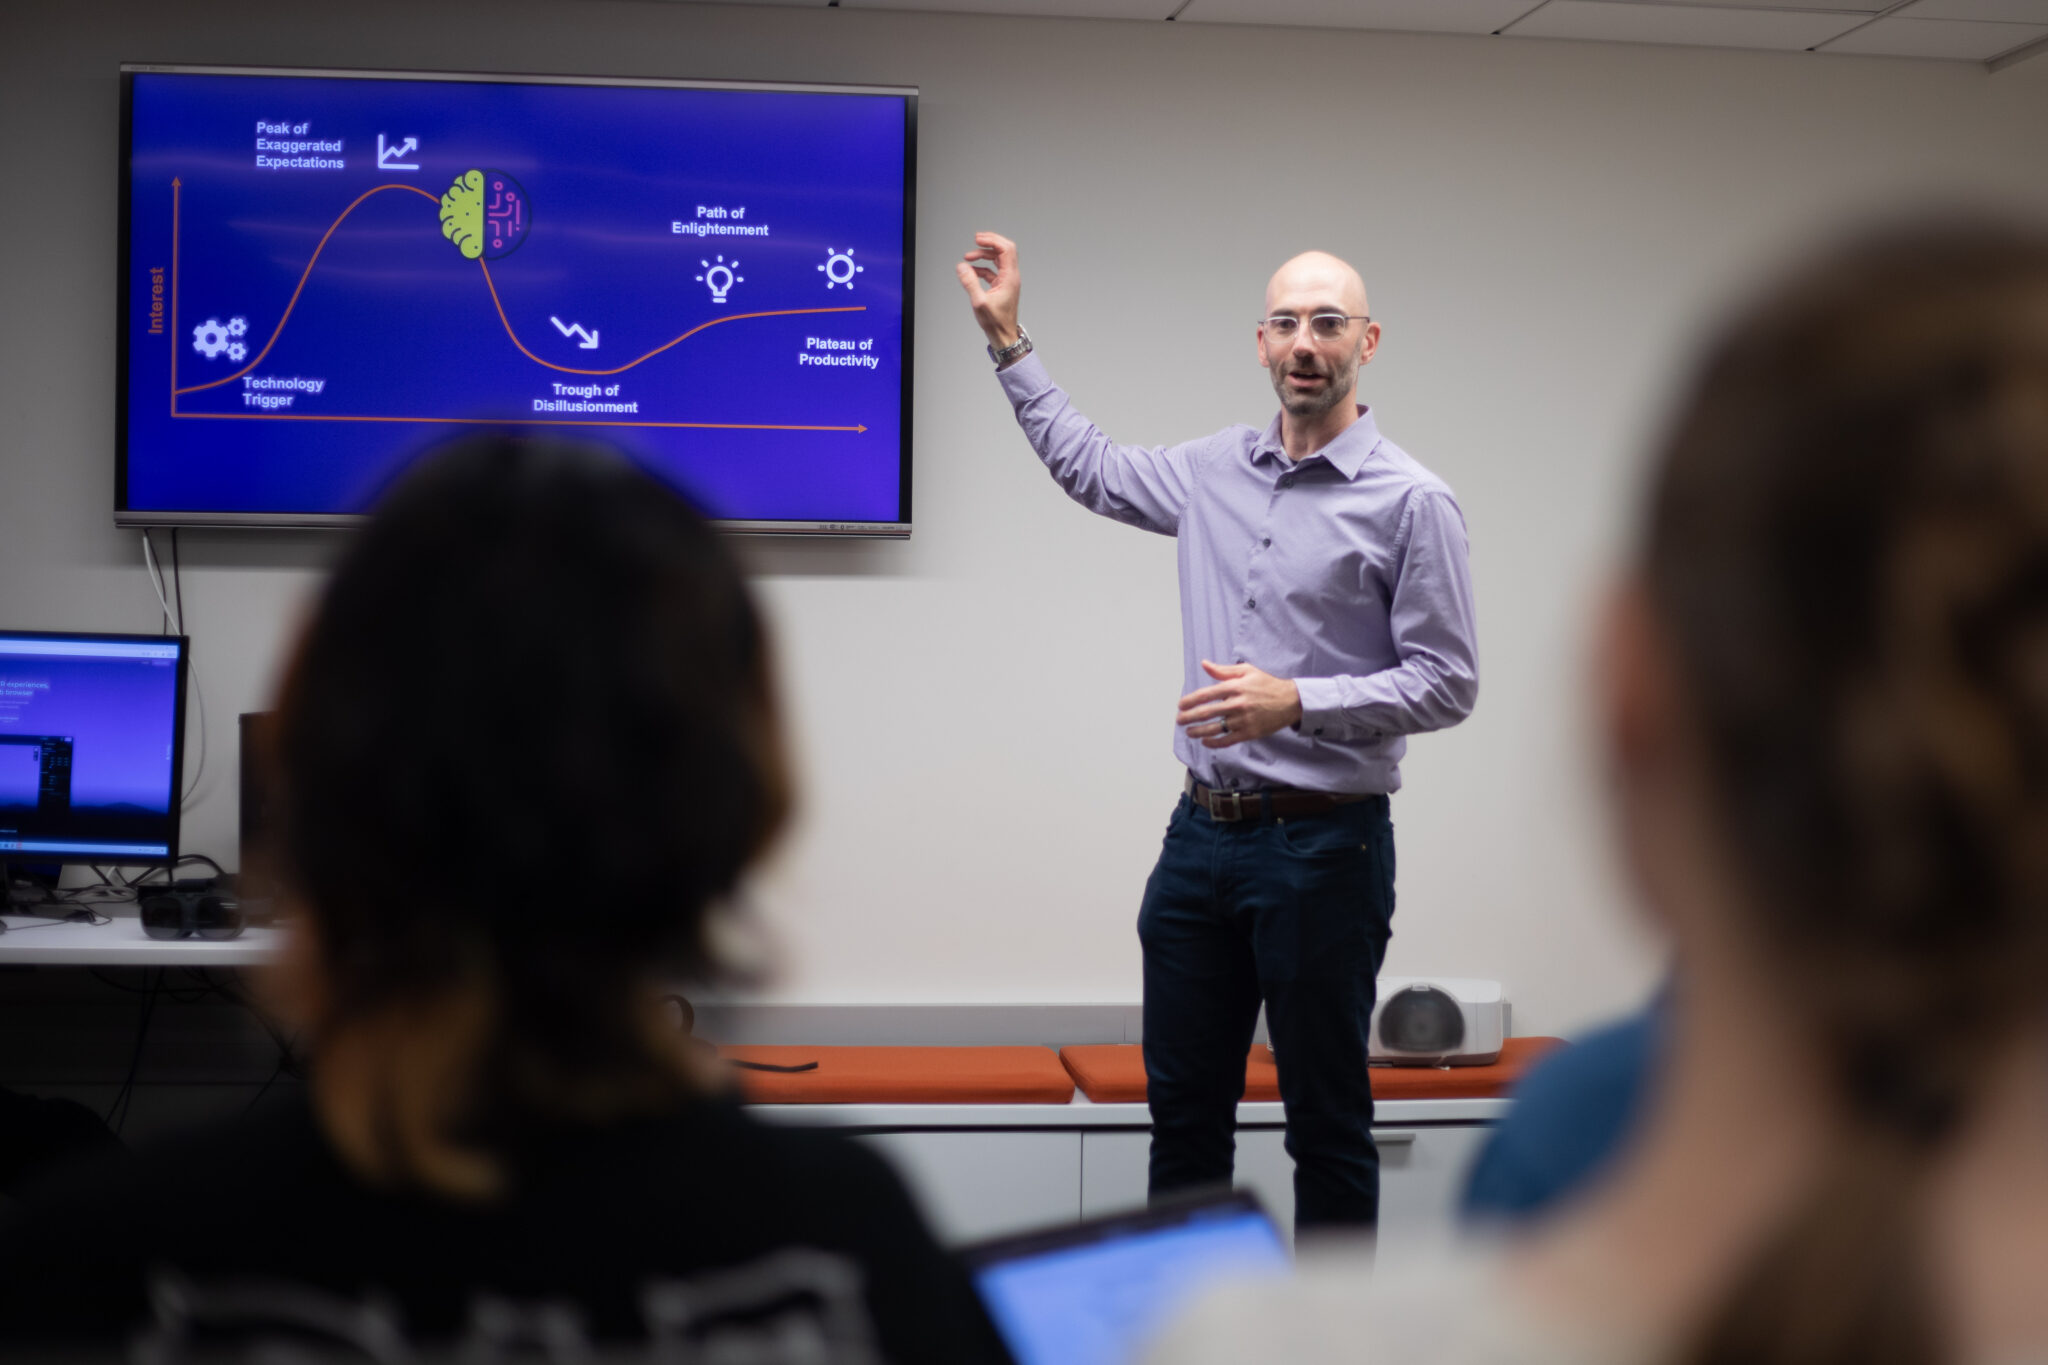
(904, 1075)
(1114, 1073)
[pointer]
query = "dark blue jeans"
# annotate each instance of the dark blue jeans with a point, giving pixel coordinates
(1296, 913)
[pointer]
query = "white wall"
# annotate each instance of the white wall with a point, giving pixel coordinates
(984, 711)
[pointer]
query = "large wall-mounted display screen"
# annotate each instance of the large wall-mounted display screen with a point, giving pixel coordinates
(325, 273)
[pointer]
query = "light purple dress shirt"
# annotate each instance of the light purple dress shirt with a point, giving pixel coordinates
(1346, 572)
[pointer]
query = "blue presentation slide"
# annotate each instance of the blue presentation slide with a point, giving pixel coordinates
(328, 274)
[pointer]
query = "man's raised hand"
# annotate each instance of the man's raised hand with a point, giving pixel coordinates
(989, 275)
(1246, 703)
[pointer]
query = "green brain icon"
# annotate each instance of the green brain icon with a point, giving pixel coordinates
(462, 214)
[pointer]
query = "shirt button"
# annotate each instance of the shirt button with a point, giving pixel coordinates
(1250, 603)
(1267, 541)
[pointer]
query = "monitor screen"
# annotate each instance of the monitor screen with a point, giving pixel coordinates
(91, 746)
(1095, 1293)
(325, 272)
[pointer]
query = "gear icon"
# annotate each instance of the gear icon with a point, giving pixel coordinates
(839, 268)
(209, 338)
(237, 327)
(236, 350)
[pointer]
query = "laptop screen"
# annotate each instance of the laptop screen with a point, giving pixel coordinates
(1095, 1293)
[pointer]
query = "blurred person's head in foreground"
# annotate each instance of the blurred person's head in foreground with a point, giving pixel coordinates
(1827, 713)
(527, 746)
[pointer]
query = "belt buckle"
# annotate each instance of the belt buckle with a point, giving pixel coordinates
(1236, 800)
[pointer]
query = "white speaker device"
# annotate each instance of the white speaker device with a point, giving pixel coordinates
(1438, 1021)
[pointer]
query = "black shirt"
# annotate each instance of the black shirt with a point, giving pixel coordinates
(675, 1227)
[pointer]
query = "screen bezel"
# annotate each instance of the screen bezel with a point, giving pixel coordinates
(177, 802)
(127, 516)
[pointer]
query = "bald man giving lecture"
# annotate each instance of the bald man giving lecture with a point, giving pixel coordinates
(1326, 613)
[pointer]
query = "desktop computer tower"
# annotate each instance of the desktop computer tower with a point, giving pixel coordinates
(257, 883)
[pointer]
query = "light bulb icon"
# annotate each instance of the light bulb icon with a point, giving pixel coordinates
(719, 278)
(839, 268)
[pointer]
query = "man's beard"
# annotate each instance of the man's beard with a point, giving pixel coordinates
(1342, 379)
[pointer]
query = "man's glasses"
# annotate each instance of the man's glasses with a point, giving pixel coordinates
(1322, 326)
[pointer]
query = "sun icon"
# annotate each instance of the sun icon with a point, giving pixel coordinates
(839, 268)
(720, 277)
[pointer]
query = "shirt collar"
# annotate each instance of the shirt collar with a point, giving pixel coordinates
(1347, 454)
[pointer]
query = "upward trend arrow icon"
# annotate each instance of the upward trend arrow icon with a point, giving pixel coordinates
(392, 158)
(575, 329)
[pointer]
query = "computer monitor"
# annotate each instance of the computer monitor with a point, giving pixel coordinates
(91, 747)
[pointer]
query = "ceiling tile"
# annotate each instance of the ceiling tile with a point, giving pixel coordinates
(1957, 39)
(1044, 9)
(1692, 25)
(1998, 11)
(1419, 16)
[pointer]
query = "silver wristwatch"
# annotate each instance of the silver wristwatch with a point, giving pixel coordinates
(1016, 350)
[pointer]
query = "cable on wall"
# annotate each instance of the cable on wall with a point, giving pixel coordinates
(174, 623)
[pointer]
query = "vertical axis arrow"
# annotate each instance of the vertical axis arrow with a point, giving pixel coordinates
(177, 196)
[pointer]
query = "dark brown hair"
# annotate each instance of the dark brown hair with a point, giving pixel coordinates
(1848, 547)
(527, 741)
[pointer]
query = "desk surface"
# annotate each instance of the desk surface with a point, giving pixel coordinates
(121, 943)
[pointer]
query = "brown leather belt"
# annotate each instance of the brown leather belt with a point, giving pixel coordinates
(1266, 803)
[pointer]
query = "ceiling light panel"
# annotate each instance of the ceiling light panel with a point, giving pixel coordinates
(1839, 6)
(1412, 16)
(1955, 39)
(1686, 25)
(1041, 9)
(1996, 11)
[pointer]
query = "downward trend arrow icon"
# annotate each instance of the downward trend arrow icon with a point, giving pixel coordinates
(575, 329)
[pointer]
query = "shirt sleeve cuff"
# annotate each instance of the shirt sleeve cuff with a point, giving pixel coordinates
(1024, 380)
(1321, 717)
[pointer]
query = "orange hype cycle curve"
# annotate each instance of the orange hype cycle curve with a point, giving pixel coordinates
(490, 284)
